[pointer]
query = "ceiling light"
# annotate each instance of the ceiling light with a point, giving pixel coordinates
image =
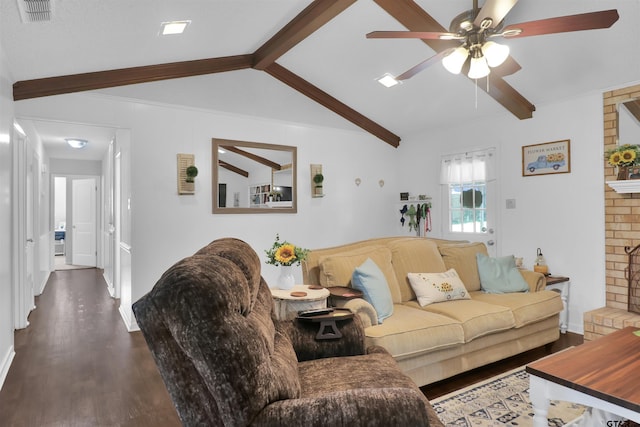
(455, 60)
(76, 143)
(388, 80)
(174, 27)
(478, 67)
(495, 53)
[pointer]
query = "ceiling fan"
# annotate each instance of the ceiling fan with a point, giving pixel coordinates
(476, 28)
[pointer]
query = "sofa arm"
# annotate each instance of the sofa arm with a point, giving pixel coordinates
(307, 347)
(536, 281)
(361, 308)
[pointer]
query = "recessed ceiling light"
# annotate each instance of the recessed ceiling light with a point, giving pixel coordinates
(76, 143)
(174, 27)
(388, 80)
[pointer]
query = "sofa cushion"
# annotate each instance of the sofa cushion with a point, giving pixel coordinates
(462, 257)
(412, 255)
(413, 331)
(500, 275)
(337, 269)
(527, 307)
(477, 318)
(371, 281)
(437, 287)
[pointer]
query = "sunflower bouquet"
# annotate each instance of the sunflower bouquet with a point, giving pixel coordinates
(623, 155)
(285, 253)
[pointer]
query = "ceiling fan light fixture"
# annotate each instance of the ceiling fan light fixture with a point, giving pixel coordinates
(388, 80)
(455, 60)
(478, 68)
(495, 53)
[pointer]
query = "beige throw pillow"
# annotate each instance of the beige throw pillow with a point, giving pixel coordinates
(437, 287)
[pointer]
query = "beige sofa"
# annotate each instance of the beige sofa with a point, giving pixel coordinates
(442, 339)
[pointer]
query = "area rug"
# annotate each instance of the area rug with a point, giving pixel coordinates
(499, 401)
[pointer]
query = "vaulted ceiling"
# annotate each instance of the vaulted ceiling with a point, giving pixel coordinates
(309, 61)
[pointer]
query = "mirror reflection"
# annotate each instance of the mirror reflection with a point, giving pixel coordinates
(629, 122)
(252, 177)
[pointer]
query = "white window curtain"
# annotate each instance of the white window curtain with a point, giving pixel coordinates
(467, 167)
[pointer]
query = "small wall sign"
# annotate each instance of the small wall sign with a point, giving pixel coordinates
(547, 158)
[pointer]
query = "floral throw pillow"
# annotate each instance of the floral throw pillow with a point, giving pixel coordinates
(437, 287)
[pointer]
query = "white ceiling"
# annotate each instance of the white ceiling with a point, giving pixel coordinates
(101, 35)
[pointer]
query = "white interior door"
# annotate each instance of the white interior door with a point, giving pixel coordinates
(30, 243)
(83, 216)
(23, 230)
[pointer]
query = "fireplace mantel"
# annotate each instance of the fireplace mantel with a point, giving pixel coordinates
(625, 186)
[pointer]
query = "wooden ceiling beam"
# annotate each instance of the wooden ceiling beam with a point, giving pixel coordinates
(323, 98)
(314, 16)
(304, 24)
(414, 18)
(60, 85)
(254, 157)
(232, 168)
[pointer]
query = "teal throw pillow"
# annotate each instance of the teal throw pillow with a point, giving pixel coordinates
(371, 281)
(500, 275)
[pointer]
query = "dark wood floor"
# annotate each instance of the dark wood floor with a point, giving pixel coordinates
(76, 364)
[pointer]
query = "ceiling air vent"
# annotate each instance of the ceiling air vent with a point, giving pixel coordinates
(36, 10)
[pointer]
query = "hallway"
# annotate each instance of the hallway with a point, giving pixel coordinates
(76, 364)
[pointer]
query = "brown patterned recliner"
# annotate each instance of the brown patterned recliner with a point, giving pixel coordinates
(225, 361)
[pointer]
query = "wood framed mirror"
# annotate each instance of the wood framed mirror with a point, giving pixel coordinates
(628, 121)
(253, 177)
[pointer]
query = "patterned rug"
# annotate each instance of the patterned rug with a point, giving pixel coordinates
(499, 401)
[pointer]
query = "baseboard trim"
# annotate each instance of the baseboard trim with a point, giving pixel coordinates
(129, 321)
(6, 364)
(43, 284)
(110, 288)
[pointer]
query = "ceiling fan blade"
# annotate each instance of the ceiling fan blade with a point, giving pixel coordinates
(495, 10)
(564, 24)
(424, 35)
(423, 65)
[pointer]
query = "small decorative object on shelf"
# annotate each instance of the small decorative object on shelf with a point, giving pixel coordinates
(626, 158)
(317, 178)
(541, 265)
(192, 172)
(285, 255)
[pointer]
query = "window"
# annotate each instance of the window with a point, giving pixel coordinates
(466, 176)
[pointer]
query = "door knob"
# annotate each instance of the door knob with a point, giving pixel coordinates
(30, 240)
(491, 243)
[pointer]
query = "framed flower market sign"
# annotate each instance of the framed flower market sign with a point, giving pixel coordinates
(547, 158)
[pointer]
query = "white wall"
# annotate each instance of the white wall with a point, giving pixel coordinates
(561, 214)
(167, 227)
(6, 258)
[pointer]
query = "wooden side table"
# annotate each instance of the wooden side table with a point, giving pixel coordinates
(560, 284)
(342, 294)
(287, 305)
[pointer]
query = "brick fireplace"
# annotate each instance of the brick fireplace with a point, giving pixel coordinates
(622, 228)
